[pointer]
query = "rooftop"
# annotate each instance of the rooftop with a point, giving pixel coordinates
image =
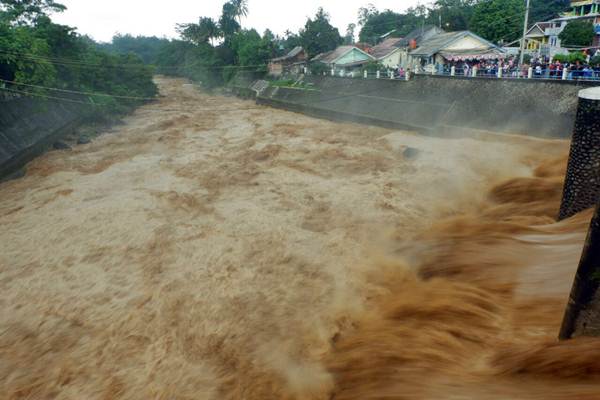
(293, 53)
(386, 47)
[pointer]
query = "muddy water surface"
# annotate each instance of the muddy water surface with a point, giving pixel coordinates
(210, 248)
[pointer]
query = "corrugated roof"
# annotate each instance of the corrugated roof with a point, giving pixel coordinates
(433, 45)
(418, 33)
(293, 53)
(333, 55)
(386, 47)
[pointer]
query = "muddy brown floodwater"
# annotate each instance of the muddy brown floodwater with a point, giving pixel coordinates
(209, 248)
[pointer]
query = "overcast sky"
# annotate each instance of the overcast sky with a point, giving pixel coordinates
(101, 19)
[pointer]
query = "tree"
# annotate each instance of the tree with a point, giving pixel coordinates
(378, 23)
(577, 33)
(318, 35)
(250, 49)
(290, 41)
(206, 30)
(27, 11)
(364, 13)
(241, 9)
(498, 20)
(227, 22)
(349, 38)
(455, 14)
(543, 10)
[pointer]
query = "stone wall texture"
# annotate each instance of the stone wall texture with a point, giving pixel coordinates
(540, 108)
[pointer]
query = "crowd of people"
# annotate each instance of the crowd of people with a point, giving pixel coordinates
(541, 68)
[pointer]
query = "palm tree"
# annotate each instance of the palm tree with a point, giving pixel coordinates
(241, 9)
(208, 29)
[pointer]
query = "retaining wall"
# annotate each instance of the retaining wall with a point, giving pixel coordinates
(533, 107)
(28, 127)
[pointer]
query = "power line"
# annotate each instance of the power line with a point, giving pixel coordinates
(78, 92)
(73, 62)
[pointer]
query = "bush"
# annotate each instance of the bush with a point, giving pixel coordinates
(373, 66)
(577, 56)
(563, 58)
(317, 68)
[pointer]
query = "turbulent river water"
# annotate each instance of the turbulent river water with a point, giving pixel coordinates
(209, 248)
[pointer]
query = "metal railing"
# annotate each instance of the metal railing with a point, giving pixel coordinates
(474, 72)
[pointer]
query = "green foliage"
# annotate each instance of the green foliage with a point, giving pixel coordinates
(527, 58)
(318, 35)
(595, 61)
(290, 41)
(377, 23)
(455, 14)
(373, 66)
(577, 56)
(495, 20)
(27, 11)
(36, 51)
(147, 48)
(544, 10)
(318, 68)
(349, 38)
(563, 58)
(498, 20)
(577, 33)
(251, 49)
(571, 57)
(206, 30)
(227, 22)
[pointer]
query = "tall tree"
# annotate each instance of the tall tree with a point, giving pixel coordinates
(27, 11)
(318, 35)
(543, 10)
(349, 38)
(241, 9)
(228, 22)
(455, 14)
(498, 20)
(376, 23)
(206, 30)
(577, 33)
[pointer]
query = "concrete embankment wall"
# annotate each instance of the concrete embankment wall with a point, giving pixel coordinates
(28, 127)
(541, 108)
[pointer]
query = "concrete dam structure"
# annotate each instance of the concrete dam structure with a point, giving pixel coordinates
(429, 103)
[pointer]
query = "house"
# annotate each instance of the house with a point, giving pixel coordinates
(392, 52)
(452, 46)
(542, 39)
(587, 10)
(418, 35)
(344, 59)
(536, 36)
(389, 53)
(294, 62)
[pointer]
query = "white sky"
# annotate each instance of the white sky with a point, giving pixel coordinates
(103, 18)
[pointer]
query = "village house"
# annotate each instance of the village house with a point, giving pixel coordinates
(293, 62)
(451, 47)
(586, 10)
(344, 60)
(392, 52)
(389, 53)
(542, 39)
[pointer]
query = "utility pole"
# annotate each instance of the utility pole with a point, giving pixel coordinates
(525, 23)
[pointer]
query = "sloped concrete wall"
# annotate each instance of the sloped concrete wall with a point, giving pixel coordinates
(28, 127)
(538, 108)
